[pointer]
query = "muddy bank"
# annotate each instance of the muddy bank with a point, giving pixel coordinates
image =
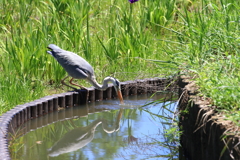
(206, 135)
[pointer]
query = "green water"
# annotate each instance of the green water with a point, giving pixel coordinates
(101, 130)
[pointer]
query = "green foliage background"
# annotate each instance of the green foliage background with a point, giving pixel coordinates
(120, 39)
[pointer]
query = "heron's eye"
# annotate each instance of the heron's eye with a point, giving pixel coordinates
(117, 82)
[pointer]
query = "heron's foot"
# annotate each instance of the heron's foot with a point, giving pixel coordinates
(77, 90)
(80, 89)
(83, 88)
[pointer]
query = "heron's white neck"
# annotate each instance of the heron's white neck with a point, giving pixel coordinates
(105, 83)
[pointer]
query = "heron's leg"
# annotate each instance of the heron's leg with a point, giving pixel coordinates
(76, 84)
(62, 81)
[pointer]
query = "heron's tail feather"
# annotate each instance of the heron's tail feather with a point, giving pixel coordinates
(53, 47)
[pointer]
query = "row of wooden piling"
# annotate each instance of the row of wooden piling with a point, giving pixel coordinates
(23, 113)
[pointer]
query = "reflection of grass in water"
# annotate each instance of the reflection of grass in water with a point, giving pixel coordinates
(15, 143)
(148, 147)
(162, 145)
(129, 106)
(152, 142)
(53, 133)
(16, 139)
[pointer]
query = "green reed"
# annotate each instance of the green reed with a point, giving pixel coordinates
(211, 36)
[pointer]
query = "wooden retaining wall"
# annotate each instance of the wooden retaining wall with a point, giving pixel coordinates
(23, 113)
(203, 128)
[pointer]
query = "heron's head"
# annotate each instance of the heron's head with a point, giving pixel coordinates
(117, 87)
(116, 84)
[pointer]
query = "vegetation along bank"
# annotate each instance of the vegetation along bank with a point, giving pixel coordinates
(125, 40)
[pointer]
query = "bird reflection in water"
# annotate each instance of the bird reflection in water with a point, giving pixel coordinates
(81, 136)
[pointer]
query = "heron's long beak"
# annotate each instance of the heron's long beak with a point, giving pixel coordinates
(119, 93)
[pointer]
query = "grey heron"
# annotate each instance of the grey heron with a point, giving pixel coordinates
(79, 68)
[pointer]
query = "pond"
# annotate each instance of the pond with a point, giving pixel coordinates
(102, 130)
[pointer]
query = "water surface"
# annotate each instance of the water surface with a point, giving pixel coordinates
(101, 130)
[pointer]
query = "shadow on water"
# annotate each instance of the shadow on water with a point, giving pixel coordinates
(143, 128)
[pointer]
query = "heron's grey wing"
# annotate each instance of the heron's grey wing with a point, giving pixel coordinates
(76, 66)
(78, 73)
(82, 66)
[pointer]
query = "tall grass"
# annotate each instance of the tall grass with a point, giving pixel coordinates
(118, 38)
(107, 34)
(211, 49)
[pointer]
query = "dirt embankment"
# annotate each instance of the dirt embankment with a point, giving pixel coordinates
(206, 134)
